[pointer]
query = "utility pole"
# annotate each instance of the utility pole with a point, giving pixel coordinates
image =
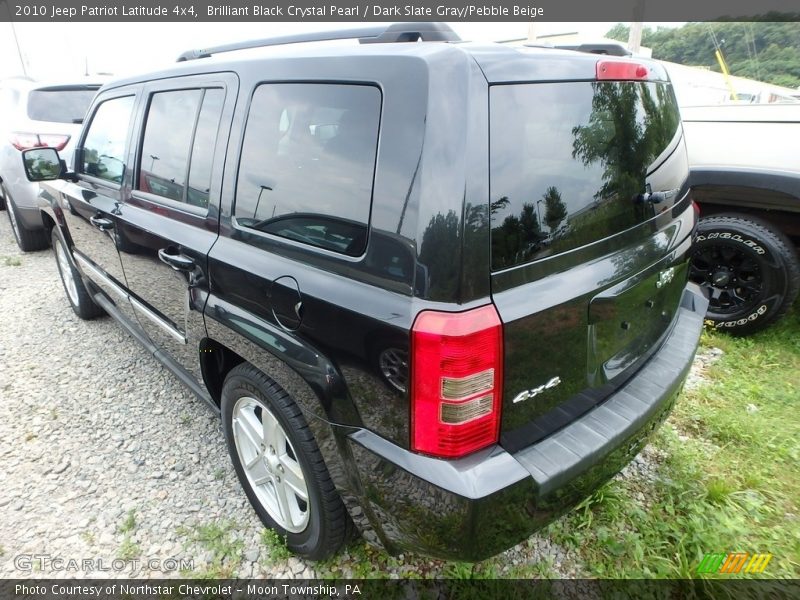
(532, 32)
(19, 50)
(635, 34)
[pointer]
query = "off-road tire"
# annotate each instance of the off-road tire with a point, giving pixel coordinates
(749, 269)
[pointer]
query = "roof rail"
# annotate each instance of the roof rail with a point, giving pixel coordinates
(397, 32)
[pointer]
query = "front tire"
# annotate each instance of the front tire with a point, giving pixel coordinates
(749, 269)
(79, 298)
(280, 466)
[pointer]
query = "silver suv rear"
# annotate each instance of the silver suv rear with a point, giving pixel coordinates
(35, 115)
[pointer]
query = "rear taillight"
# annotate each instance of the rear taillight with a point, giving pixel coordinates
(25, 141)
(620, 70)
(456, 381)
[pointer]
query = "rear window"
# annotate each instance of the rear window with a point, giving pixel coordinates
(568, 161)
(60, 105)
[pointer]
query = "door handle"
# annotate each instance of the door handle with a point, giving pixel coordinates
(101, 223)
(179, 262)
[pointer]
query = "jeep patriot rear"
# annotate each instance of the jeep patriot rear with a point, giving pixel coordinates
(438, 290)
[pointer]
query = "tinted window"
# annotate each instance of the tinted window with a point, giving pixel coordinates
(307, 163)
(568, 161)
(205, 139)
(104, 146)
(61, 105)
(167, 142)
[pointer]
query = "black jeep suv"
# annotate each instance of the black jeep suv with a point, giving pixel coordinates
(438, 290)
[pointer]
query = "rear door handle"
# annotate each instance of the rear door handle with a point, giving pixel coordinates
(179, 262)
(101, 223)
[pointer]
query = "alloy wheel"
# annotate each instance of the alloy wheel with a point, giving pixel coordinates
(270, 464)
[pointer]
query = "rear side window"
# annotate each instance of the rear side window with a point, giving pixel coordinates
(568, 161)
(103, 153)
(178, 146)
(308, 162)
(61, 105)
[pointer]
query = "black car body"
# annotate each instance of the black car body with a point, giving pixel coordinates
(466, 266)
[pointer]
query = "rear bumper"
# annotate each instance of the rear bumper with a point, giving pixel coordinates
(473, 508)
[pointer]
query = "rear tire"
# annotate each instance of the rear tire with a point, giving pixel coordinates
(280, 466)
(28, 240)
(79, 298)
(749, 269)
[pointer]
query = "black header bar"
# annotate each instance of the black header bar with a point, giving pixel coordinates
(401, 10)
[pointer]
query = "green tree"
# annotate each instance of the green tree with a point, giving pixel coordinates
(555, 211)
(766, 50)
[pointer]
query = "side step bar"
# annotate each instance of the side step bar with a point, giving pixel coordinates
(166, 360)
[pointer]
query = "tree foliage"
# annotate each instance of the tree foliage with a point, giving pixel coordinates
(767, 51)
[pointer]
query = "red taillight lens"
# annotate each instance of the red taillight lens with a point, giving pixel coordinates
(456, 381)
(618, 70)
(25, 141)
(696, 208)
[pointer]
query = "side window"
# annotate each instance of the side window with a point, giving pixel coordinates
(178, 146)
(104, 146)
(308, 163)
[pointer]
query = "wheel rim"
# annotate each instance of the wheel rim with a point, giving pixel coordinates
(394, 367)
(66, 273)
(270, 464)
(733, 277)
(12, 216)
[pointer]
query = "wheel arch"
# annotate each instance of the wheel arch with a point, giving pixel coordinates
(304, 372)
(771, 196)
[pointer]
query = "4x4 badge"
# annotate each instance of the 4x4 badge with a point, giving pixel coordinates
(522, 396)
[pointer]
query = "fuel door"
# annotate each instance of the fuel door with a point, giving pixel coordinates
(286, 302)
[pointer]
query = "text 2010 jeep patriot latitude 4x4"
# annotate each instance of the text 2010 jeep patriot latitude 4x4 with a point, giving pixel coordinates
(435, 289)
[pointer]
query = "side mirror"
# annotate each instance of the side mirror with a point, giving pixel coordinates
(42, 164)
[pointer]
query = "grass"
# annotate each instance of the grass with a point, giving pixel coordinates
(275, 544)
(216, 539)
(12, 261)
(88, 537)
(128, 550)
(730, 476)
(129, 524)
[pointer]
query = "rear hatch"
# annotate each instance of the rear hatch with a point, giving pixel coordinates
(590, 215)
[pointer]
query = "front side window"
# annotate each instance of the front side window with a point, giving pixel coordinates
(104, 146)
(308, 162)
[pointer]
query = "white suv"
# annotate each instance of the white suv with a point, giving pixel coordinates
(35, 115)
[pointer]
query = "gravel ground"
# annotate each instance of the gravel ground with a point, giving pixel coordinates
(105, 456)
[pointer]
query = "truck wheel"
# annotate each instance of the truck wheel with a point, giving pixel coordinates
(749, 270)
(280, 466)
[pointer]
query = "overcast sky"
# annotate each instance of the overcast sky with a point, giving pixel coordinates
(61, 50)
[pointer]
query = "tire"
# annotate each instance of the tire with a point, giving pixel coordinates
(28, 240)
(749, 269)
(79, 298)
(296, 496)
